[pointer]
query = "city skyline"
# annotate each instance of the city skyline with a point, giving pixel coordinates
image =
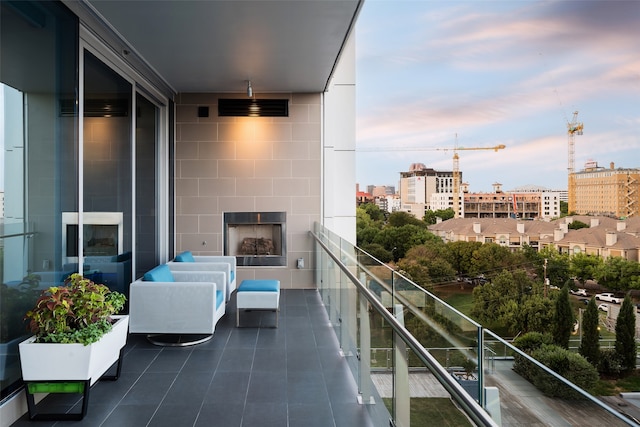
(484, 73)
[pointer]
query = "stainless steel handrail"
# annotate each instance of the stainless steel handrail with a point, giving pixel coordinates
(466, 402)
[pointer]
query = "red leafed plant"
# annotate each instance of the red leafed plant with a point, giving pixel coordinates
(79, 312)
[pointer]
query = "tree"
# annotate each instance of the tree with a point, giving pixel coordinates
(563, 319)
(430, 217)
(584, 266)
(590, 345)
(374, 211)
(399, 218)
(577, 225)
(398, 240)
(625, 335)
(564, 208)
(617, 273)
(557, 265)
(491, 258)
(366, 228)
(460, 255)
(508, 300)
(425, 265)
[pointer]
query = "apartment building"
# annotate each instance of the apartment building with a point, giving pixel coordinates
(604, 236)
(609, 191)
(419, 184)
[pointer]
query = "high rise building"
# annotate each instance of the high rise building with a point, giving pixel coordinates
(419, 184)
(610, 192)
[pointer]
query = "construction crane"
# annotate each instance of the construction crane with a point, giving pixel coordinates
(573, 128)
(456, 164)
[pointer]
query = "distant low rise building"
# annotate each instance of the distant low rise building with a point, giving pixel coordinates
(604, 237)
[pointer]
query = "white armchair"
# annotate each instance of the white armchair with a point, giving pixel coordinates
(187, 257)
(177, 308)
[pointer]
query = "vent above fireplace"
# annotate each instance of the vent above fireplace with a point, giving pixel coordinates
(253, 107)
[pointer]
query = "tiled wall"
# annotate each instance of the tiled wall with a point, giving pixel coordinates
(247, 164)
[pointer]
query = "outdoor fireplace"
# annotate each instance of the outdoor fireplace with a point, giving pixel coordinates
(256, 238)
(101, 235)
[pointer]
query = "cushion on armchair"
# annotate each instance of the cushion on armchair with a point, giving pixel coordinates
(220, 298)
(161, 273)
(185, 256)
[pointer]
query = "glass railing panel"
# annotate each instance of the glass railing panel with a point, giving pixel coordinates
(449, 336)
(519, 387)
(19, 290)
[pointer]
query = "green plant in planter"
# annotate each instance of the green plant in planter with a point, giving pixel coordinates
(79, 312)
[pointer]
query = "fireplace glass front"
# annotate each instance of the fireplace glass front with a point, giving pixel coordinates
(256, 238)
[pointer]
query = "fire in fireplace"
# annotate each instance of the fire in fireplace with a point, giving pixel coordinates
(256, 238)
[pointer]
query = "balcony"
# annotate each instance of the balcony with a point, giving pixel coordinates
(367, 348)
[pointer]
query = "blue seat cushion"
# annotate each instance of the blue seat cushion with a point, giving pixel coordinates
(232, 276)
(185, 256)
(259, 286)
(160, 273)
(219, 298)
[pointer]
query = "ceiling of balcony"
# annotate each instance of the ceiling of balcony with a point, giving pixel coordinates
(216, 45)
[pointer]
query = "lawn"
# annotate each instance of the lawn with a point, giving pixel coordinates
(433, 411)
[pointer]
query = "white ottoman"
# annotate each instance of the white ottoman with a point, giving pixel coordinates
(258, 295)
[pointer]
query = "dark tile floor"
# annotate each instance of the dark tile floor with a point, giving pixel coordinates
(251, 376)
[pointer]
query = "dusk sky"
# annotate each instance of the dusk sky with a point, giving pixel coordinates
(496, 72)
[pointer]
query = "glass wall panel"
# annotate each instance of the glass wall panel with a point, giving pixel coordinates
(38, 164)
(107, 178)
(146, 176)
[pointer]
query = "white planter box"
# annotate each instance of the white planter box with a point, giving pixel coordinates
(60, 362)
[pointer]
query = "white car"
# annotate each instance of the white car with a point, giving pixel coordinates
(580, 292)
(603, 307)
(608, 297)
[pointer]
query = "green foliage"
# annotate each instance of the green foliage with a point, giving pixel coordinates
(399, 219)
(509, 300)
(590, 345)
(584, 266)
(78, 312)
(564, 208)
(532, 341)
(577, 225)
(430, 217)
(570, 365)
(375, 213)
(460, 255)
(366, 228)
(617, 273)
(16, 300)
(557, 265)
(491, 257)
(424, 264)
(399, 240)
(563, 319)
(377, 251)
(625, 335)
(609, 363)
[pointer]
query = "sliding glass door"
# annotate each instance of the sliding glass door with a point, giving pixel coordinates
(107, 184)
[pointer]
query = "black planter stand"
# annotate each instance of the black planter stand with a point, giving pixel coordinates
(69, 387)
